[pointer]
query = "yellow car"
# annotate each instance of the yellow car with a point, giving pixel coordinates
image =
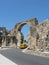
(23, 46)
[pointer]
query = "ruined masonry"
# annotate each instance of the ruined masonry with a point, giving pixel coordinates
(38, 35)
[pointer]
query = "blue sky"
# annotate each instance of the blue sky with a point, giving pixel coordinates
(14, 11)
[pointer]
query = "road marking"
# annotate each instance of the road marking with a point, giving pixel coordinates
(6, 61)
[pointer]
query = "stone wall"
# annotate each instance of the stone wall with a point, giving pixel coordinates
(43, 35)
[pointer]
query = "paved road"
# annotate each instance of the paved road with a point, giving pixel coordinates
(21, 58)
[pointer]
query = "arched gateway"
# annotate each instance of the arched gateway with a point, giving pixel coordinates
(32, 24)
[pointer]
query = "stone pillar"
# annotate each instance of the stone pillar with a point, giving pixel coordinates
(31, 41)
(4, 42)
(33, 36)
(19, 39)
(11, 42)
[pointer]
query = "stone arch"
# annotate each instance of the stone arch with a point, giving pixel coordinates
(32, 23)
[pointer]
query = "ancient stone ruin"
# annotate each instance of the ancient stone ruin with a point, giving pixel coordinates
(38, 37)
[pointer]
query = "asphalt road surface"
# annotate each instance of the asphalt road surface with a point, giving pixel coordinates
(21, 58)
